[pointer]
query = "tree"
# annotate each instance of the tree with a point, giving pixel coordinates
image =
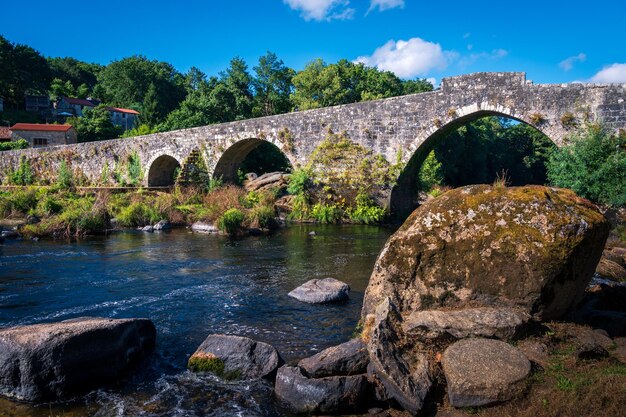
(416, 86)
(150, 108)
(593, 165)
(23, 71)
(125, 83)
(60, 88)
(83, 76)
(238, 82)
(272, 86)
(94, 125)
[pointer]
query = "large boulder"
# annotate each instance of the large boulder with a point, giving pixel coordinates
(533, 247)
(483, 371)
(478, 261)
(55, 361)
(235, 357)
(319, 291)
(335, 394)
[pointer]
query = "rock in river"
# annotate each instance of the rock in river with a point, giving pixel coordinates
(335, 394)
(55, 361)
(318, 291)
(235, 357)
(348, 358)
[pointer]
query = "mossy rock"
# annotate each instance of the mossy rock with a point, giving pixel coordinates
(235, 357)
(533, 247)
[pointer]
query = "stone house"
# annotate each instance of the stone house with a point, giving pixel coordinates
(71, 106)
(39, 135)
(125, 118)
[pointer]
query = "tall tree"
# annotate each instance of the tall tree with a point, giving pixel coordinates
(238, 82)
(272, 86)
(126, 82)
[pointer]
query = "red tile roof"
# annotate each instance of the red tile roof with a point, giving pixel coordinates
(131, 111)
(41, 127)
(81, 101)
(5, 133)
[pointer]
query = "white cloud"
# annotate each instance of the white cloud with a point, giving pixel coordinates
(615, 73)
(322, 9)
(408, 59)
(568, 63)
(385, 4)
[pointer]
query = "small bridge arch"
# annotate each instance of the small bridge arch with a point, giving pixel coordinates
(229, 161)
(403, 197)
(161, 170)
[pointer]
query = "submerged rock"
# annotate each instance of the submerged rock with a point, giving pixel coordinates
(483, 371)
(203, 227)
(318, 291)
(148, 229)
(235, 357)
(162, 225)
(335, 394)
(55, 361)
(348, 358)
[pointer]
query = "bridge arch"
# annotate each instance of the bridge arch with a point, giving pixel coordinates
(232, 158)
(161, 170)
(404, 194)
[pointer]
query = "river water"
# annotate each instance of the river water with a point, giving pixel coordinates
(190, 285)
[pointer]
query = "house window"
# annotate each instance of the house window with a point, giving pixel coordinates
(123, 115)
(40, 142)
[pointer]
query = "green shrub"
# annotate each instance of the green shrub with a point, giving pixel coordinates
(327, 214)
(231, 221)
(300, 181)
(251, 199)
(135, 173)
(137, 214)
(23, 175)
(49, 205)
(263, 217)
(24, 200)
(18, 144)
(593, 165)
(366, 211)
(300, 207)
(6, 206)
(65, 178)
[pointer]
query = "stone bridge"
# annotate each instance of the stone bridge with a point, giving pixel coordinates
(408, 126)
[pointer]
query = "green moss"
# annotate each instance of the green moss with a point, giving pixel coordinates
(206, 362)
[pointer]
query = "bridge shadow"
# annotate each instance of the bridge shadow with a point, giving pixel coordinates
(250, 155)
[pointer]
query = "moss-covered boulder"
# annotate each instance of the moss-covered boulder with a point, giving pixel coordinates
(478, 261)
(533, 248)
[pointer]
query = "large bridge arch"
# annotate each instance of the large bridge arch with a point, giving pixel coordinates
(403, 197)
(228, 162)
(161, 170)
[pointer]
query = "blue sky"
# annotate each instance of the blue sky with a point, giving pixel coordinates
(554, 43)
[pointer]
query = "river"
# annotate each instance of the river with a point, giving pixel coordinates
(190, 285)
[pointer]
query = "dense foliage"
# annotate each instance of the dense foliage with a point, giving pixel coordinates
(593, 164)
